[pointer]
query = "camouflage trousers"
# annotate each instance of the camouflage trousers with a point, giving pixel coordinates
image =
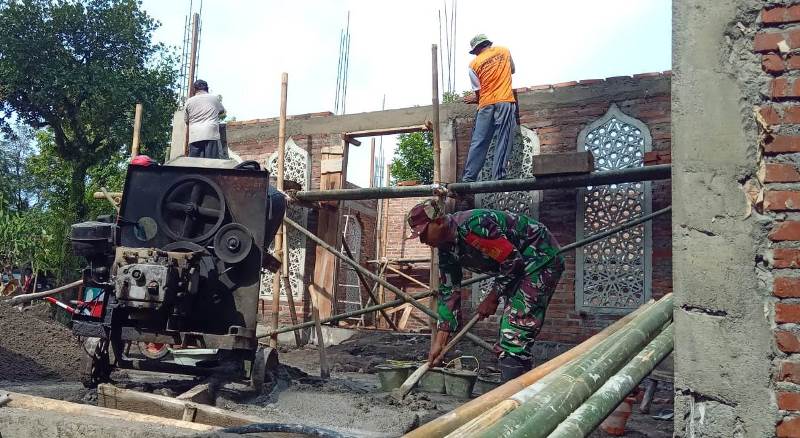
(525, 307)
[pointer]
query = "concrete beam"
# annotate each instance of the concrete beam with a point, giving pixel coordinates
(614, 89)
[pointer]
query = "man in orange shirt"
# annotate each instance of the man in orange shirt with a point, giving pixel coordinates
(490, 73)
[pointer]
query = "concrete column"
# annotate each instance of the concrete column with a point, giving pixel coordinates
(723, 340)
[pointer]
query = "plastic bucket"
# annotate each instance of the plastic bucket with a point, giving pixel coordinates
(487, 383)
(432, 381)
(459, 383)
(392, 376)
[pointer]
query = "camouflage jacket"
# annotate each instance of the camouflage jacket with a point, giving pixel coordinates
(489, 242)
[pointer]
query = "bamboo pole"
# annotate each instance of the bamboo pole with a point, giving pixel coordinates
(279, 237)
(636, 174)
(192, 64)
(410, 299)
(20, 299)
(597, 407)
(137, 127)
(324, 371)
(451, 421)
(437, 166)
(366, 286)
(385, 231)
(408, 277)
(540, 414)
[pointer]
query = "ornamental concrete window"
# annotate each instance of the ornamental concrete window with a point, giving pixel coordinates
(520, 165)
(614, 275)
(297, 167)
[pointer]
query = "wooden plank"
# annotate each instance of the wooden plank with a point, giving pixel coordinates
(331, 165)
(109, 396)
(404, 318)
(41, 404)
(202, 393)
(388, 131)
(564, 163)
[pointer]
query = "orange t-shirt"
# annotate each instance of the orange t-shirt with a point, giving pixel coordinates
(493, 69)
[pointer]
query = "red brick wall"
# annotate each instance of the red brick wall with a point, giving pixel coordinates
(558, 129)
(782, 199)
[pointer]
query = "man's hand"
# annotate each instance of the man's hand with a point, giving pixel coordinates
(488, 306)
(470, 98)
(437, 345)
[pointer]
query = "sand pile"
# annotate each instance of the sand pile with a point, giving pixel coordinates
(34, 348)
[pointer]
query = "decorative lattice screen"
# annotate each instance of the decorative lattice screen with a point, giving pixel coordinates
(296, 168)
(613, 275)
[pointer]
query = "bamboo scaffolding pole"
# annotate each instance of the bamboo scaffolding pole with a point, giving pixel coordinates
(600, 404)
(137, 128)
(192, 65)
(410, 299)
(408, 277)
(648, 173)
(463, 414)
(279, 236)
(366, 286)
(540, 413)
(20, 299)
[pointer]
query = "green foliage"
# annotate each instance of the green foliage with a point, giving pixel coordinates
(413, 159)
(79, 71)
(15, 182)
(453, 97)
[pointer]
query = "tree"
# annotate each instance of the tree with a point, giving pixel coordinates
(79, 71)
(413, 159)
(15, 183)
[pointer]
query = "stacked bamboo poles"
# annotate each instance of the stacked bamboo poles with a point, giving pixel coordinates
(597, 407)
(544, 406)
(468, 411)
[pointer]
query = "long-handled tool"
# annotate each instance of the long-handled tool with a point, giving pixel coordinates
(412, 380)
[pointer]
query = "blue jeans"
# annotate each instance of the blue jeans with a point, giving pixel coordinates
(492, 119)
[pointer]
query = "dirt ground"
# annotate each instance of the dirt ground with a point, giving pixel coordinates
(39, 356)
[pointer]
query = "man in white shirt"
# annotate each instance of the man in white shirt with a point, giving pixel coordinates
(202, 114)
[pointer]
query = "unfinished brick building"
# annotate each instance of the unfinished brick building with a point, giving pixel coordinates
(567, 117)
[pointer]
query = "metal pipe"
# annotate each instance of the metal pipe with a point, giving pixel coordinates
(408, 260)
(480, 342)
(648, 173)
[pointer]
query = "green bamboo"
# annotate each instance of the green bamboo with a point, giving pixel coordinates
(597, 407)
(540, 413)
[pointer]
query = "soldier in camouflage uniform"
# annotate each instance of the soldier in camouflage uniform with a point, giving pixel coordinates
(518, 250)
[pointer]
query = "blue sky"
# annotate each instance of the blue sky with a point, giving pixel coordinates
(246, 44)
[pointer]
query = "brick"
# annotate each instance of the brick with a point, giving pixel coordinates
(788, 401)
(786, 287)
(778, 88)
(767, 42)
(791, 115)
(785, 258)
(781, 172)
(782, 143)
(792, 62)
(782, 200)
(591, 81)
(565, 84)
(789, 427)
(788, 313)
(770, 115)
(653, 74)
(773, 15)
(788, 230)
(787, 342)
(772, 63)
